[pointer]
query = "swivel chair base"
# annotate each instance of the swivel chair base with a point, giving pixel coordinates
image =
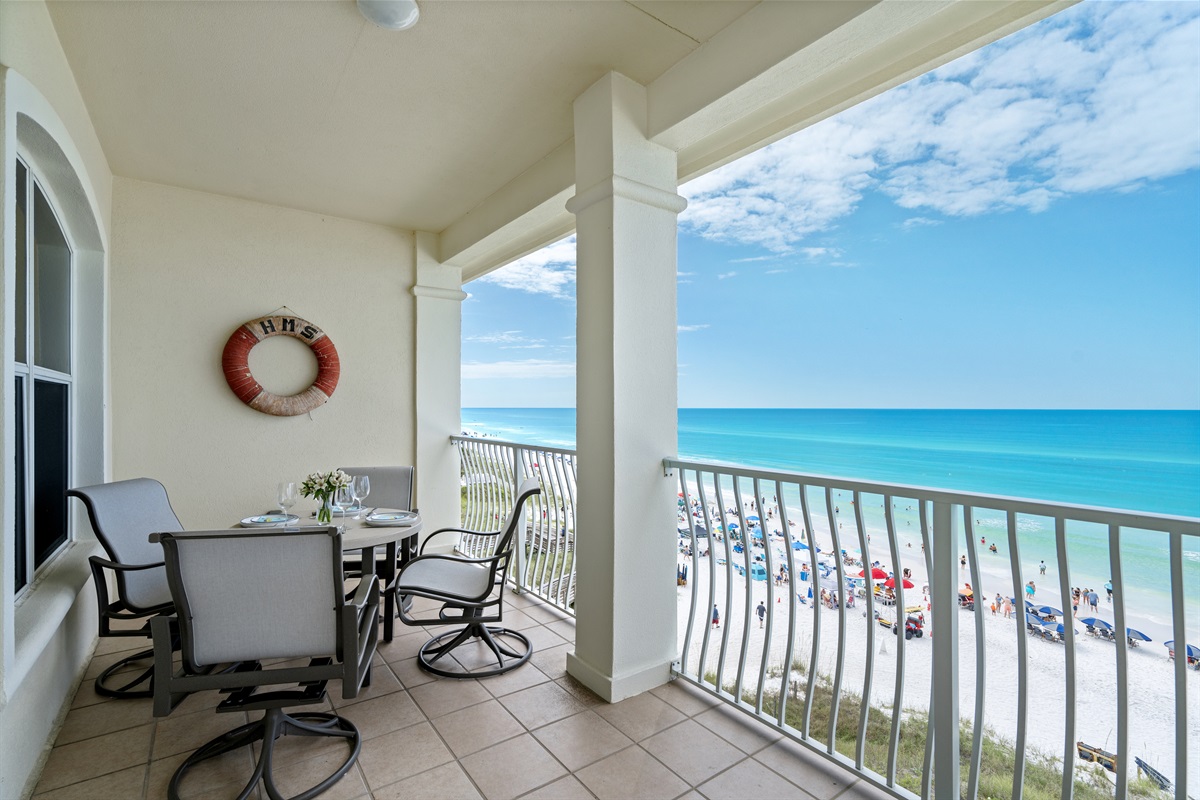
(274, 724)
(116, 672)
(496, 640)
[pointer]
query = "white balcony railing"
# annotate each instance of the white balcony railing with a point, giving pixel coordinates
(491, 469)
(985, 701)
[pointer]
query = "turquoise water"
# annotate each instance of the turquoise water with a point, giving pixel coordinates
(1134, 460)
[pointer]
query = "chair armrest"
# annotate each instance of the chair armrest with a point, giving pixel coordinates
(429, 538)
(391, 587)
(117, 566)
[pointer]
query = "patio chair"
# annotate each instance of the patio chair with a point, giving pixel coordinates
(123, 515)
(471, 594)
(249, 604)
(391, 488)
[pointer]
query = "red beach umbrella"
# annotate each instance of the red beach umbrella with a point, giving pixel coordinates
(891, 583)
(876, 574)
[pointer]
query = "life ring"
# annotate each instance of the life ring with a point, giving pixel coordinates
(235, 361)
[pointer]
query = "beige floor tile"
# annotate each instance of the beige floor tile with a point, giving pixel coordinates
(542, 704)
(542, 638)
(820, 779)
(641, 715)
(86, 695)
(121, 644)
(517, 619)
(102, 662)
(568, 788)
(512, 768)
(381, 715)
(447, 782)
(564, 628)
(476, 728)
(95, 720)
(128, 784)
(737, 728)
(582, 739)
(749, 779)
(521, 678)
(410, 673)
(405, 645)
(402, 754)
(91, 758)
(228, 771)
(445, 696)
(183, 733)
(631, 774)
(686, 698)
(302, 775)
(475, 656)
(545, 614)
(691, 752)
(580, 692)
(553, 662)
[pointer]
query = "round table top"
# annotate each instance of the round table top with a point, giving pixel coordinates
(357, 534)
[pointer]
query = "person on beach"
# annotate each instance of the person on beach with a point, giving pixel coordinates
(716, 617)
(1008, 609)
(1042, 568)
(1094, 600)
(1030, 590)
(1108, 588)
(1075, 601)
(962, 562)
(762, 613)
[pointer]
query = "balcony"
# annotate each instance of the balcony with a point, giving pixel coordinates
(533, 733)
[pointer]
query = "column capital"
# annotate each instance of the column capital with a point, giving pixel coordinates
(439, 293)
(629, 189)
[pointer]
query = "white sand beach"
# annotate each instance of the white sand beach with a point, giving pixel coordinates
(1150, 673)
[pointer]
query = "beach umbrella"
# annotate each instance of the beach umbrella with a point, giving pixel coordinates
(876, 574)
(752, 519)
(1192, 650)
(1044, 610)
(1096, 622)
(1032, 619)
(756, 533)
(890, 583)
(1056, 627)
(733, 526)
(1133, 634)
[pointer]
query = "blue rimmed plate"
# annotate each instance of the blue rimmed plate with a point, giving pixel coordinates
(391, 519)
(270, 520)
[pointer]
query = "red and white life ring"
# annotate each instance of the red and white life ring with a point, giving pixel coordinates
(235, 361)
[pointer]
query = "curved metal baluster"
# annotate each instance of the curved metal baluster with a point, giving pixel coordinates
(980, 657)
(901, 615)
(927, 549)
(766, 647)
(747, 547)
(1123, 755)
(836, 689)
(781, 712)
(868, 675)
(816, 609)
(1014, 557)
(1179, 628)
(1064, 586)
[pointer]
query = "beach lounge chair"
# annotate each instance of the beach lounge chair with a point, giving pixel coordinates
(123, 515)
(251, 603)
(471, 594)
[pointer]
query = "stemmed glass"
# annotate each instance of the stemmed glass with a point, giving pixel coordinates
(344, 498)
(287, 496)
(361, 486)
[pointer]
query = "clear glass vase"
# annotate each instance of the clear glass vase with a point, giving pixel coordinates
(325, 512)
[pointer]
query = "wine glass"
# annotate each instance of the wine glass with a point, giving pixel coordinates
(286, 495)
(361, 485)
(344, 497)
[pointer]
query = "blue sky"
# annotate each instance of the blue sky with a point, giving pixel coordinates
(1018, 229)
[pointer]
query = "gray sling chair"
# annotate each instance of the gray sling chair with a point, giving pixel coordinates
(471, 591)
(245, 597)
(391, 488)
(123, 515)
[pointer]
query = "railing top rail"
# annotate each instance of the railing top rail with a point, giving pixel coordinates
(525, 445)
(1187, 526)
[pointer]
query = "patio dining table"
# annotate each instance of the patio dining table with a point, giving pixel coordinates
(399, 543)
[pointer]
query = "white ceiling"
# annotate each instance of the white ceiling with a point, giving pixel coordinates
(462, 125)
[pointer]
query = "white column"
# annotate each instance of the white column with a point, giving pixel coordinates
(625, 207)
(439, 297)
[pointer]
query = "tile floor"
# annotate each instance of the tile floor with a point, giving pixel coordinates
(533, 733)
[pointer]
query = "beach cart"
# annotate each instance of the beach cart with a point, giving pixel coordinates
(966, 600)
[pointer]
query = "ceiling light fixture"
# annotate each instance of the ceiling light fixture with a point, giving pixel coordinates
(394, 15)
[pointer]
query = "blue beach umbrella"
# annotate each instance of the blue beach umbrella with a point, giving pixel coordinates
(1032, 620)
(1192, 650)
(1096, 622)
(752, 519)
(733, 526)
(1055, 627)
(756, 533)
(1138, 635)
(1044, 610)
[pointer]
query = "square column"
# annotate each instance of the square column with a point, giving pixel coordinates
(625, 207)
(438, 336)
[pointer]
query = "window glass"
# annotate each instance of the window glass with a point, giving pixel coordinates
(51, 416)
(20, 553)
(51, 289)
(21, 349)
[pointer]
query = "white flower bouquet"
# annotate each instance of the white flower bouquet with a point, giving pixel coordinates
(322, 486)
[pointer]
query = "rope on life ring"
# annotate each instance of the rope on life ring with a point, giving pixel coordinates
(235, 361)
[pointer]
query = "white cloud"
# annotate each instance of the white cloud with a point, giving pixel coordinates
(550, 270)
(777, 271)
(689, 328)
(725, 275)
(1101, 97)
(919, 222)
(531, 368)
(506, 339)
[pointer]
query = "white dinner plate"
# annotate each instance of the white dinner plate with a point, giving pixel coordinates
(391, 519)
(269, 520)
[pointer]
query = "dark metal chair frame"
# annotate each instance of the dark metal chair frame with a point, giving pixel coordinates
(357, 638)
(121, 609)
(477, 613)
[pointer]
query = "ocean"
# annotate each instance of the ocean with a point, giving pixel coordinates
(1133, 460)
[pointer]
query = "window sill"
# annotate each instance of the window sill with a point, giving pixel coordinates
(40, 612)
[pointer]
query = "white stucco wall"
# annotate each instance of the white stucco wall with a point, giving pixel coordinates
(187, 269)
